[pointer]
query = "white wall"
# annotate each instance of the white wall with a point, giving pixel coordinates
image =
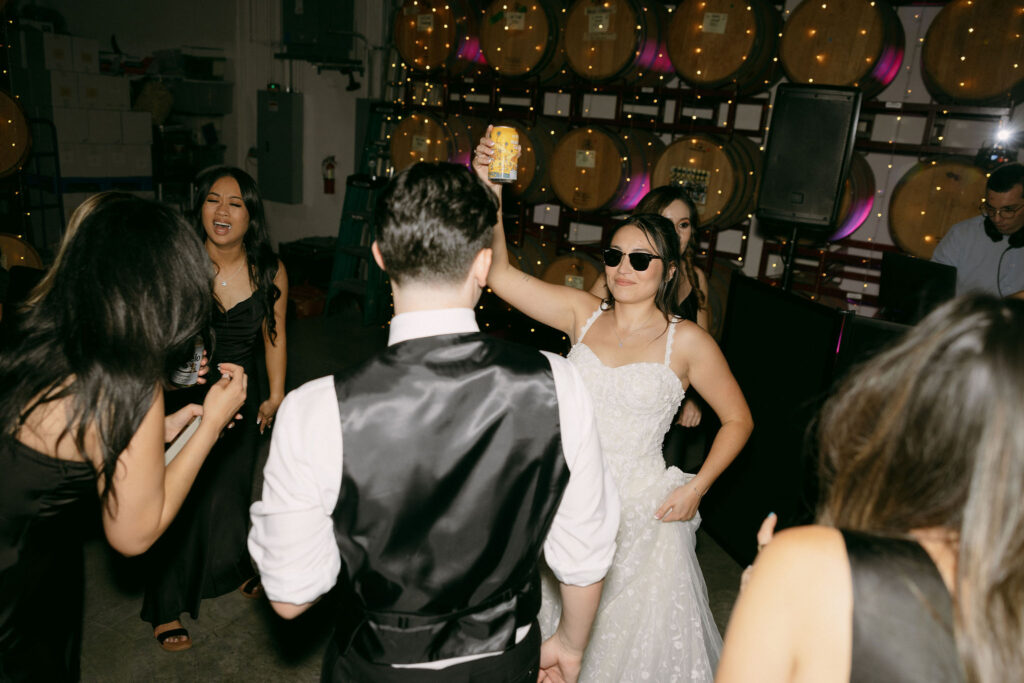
(249, 33)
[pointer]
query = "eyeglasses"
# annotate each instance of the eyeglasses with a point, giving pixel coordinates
(1003, 211)
(637, 259)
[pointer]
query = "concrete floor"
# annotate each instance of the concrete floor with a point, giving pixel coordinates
(238, 639)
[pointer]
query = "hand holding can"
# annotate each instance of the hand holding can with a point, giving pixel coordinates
(503, 167)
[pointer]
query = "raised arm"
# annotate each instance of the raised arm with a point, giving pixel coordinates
(697, 356)
(275, 352)
(557, 306)
(147, 495)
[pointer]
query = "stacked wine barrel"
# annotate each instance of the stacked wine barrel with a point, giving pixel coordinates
(972, 54)
(932, 197)
(16, 140)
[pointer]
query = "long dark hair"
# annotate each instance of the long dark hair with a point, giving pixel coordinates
(130, 292)
(259, 255)
(662, 235)
(656, 201)
(928, 434)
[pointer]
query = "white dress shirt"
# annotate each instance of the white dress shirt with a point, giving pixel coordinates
(292, 537)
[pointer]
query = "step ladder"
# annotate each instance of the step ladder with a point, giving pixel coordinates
(355, 272)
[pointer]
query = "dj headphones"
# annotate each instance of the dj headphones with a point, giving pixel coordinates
(1016, 240)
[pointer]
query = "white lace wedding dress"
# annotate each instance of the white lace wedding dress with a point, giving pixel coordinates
(654, 623)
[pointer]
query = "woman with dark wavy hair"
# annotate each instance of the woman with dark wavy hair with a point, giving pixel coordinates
(638, 360)
(916, 570)
(82, 409)
(204, 554)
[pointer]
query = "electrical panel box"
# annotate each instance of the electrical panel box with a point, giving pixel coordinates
(318, 30)
(279, 134)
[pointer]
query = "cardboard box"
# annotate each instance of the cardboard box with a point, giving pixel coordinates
(90, 88)
(139, 160)
(97, 161)
(72, 125)
(34, 49)
(104, 126)
(117, 93)
(136, 127)
(85, 55)
(97, 91)
(72, 160)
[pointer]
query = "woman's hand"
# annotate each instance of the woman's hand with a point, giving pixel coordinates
(690, 415)
(267, 411)
(226, 396)
(764, 537)
(681, 504)
(204, 367)
(175, 422)
(483, 156)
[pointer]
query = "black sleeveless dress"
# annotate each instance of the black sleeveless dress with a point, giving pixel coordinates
(684, 446)
(43, 504)
(203, 553)
(902, 614)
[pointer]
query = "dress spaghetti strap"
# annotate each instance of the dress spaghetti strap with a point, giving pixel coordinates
(590, 321)
(671, 335)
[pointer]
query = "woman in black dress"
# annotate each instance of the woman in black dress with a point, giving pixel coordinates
(915, 571)
(204, 553)
(81, 409)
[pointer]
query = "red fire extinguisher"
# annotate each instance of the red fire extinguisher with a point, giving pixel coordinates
(328, 172)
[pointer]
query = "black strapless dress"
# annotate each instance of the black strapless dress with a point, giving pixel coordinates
(203, 553)
(43, 504)
(902, 614)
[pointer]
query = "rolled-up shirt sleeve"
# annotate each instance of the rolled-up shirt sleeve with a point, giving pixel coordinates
(292, 537)
(581, 543)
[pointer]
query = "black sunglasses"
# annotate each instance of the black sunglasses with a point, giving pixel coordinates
(637, 259)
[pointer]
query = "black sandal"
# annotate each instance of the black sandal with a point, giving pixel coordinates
(176, 646)
(252, 588)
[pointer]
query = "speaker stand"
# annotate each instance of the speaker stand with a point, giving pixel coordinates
(789, 258)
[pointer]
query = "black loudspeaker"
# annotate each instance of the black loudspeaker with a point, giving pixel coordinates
(808, 154)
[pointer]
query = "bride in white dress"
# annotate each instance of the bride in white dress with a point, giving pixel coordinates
(654, 623)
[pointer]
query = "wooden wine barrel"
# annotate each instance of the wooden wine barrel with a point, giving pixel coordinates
(525, 40)
(930, 198)
(426, 136)
(531, 255)
(465, 133)
(16, 141)
(594, 168)
(618, 39)
(577, 270)
(856, 43)
(858, 198)
(537, 141)
(439, 34)
(719, 43)
(419, 136)
(720, 173)
(18, 252)
(974, 54)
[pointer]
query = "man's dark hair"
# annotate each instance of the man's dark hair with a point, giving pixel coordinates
(1004, 178)
(432, 221)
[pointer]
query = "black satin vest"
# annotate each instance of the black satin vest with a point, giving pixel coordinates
(902, 614)
(452, 474)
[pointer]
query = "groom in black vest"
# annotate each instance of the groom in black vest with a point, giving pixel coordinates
(427, 481)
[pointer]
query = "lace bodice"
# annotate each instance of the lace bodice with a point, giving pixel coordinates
(634, 405)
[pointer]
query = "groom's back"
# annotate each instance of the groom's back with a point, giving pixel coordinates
(444, 510)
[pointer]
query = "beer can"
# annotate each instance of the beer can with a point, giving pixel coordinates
(503, 166)
(188, 374)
